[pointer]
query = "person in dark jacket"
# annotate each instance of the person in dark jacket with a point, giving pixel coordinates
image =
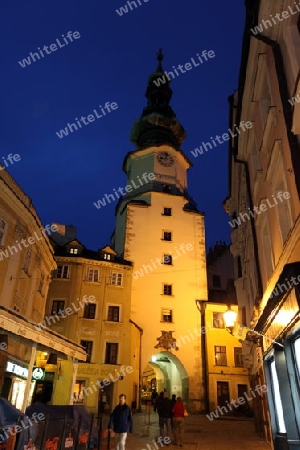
(164, 410)
(121, 422)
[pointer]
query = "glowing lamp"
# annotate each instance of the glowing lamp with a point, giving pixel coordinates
(229, 318)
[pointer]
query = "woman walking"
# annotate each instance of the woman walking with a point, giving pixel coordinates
(178, 419)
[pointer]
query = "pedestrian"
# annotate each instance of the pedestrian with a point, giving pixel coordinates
(165, 416)
(121, 422)
(154, 396)
(159, 401)
(173, 401)
(178, 419)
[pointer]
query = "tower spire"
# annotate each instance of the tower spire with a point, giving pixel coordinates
(158, 124)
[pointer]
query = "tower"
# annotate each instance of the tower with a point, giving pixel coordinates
(160, 229)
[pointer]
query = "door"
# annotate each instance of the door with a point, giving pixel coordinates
(223, 393)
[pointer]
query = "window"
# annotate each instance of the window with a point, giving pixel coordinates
(216, 281)
(167, 235)
(62, 272)
(93, 275)
(277, 399)
(89, 311)
(88, 346)
(78, 393)
(116, 279)
(74, 250)
(167, 289)
(167, 259)
(166, 188)
(238, 362)
(27, 260)
(167, 212)
(218, 320)
(57, 306)
(113, 313)
(3, 226)
(283, 212)
(107, 256)
(41, 283)
(220, 355)
(111, 353)
(167, 315)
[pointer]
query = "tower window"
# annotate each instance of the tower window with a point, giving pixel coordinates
(167, 289)
(167, 315)
(167, 259)
(167, 235)
(167, 212)
(166, 188)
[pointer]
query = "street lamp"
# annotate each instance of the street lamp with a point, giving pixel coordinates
(229, 318)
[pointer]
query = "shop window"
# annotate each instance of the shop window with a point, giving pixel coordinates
(78, 393)
(277, 399)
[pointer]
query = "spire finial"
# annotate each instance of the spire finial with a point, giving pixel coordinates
(160, 57)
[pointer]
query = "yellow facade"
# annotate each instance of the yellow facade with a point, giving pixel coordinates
(230, 380)
(95, 291)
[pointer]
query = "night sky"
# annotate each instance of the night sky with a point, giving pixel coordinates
(111, 62)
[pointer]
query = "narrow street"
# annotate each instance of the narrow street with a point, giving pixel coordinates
(200, 433)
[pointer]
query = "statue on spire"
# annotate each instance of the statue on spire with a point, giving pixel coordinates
(160, 57)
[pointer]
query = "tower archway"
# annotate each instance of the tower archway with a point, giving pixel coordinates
(165, 371)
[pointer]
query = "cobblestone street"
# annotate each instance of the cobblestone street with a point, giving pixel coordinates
(200, 433)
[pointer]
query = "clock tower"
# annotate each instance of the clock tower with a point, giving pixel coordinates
(160, 229)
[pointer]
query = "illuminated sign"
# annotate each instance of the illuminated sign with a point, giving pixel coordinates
(17, 370)
(38, 373)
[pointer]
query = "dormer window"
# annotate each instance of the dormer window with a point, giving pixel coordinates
(107, 256)
(74, 250)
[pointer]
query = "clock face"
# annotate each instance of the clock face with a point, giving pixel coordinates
(165, 159)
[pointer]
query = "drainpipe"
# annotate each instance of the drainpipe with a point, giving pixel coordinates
(201, 308)
(140, 364)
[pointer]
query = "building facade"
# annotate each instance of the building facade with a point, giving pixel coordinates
(89, 302)
(161, 230)
(26, 262)
(263, 205)
(226, 375)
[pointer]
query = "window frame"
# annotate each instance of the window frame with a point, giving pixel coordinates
(116, 275)
(164, 316)
(89, 309)
(238, 357)
(170, 258)
(220, 352)
(89, 351)
(109, 352)
(167, 287)
(62, 272)
(93, 271)
(115, 307)
(53, 313)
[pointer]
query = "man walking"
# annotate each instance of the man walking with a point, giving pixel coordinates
(121, 422)
(164, 409)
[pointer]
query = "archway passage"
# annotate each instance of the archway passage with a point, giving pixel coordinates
(165, 371)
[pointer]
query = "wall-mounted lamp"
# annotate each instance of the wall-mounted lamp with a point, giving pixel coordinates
(229, 318)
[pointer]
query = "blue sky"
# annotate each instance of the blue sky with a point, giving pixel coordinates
(111, 62)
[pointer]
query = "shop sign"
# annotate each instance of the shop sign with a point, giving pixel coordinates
(38, 373)
(16, 369)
